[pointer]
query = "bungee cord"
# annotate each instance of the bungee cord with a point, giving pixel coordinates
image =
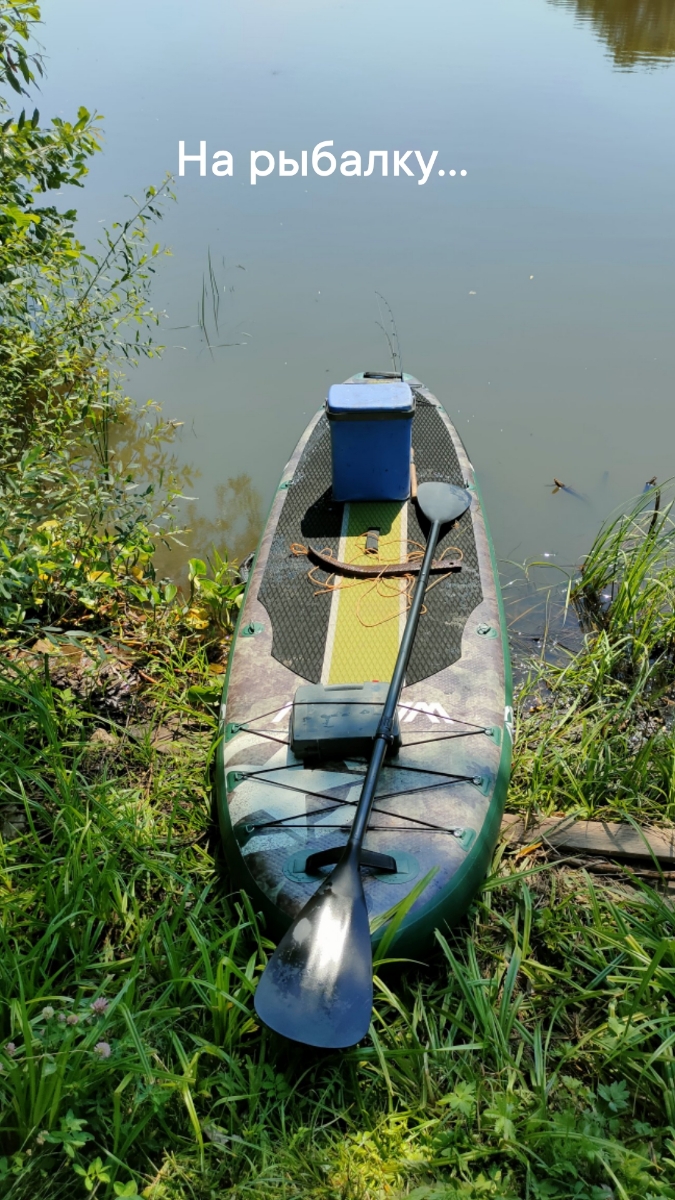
(418, 823)
(447, 782)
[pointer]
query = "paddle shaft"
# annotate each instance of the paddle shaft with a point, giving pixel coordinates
(317, 987)
(385, 727)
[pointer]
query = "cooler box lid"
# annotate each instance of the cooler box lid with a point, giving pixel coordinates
(369, 401)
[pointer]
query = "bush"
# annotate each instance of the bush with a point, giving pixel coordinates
(74, 524)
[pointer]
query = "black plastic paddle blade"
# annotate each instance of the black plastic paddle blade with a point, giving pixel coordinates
(318, 986)
(442, 502)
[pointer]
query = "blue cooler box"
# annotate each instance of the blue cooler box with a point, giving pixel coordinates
(371, 440)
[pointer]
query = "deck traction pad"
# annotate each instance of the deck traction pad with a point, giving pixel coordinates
(309, 514)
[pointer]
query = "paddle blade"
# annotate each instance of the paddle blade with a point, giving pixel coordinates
(318, 986)
(442, 502)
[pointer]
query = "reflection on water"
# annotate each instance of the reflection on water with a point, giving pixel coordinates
(535, 300)
(144, 444)
(638, 32)
(238, 521)
(541, 622)
(234, 530)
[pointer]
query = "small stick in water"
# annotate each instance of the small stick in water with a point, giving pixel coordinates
(657, 505)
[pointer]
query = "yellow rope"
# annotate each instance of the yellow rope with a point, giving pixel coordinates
(378, 581)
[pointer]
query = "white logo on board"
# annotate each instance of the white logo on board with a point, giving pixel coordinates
(435, 712)
(407, 712)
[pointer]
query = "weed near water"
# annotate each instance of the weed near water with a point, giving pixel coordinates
(531, 1057)
(596, 730)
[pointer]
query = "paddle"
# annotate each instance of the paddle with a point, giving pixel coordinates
(317, 987)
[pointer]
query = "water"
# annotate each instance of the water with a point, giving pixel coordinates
(533, 295)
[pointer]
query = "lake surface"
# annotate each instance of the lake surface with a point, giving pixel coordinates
(534, 295)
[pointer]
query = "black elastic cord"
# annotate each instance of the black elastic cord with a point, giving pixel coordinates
(352, 803)
(453, 720)
(268, 770)
(420, 827)
(375, 703)
(445, 737)
(450, 775)
(447, 782)
(261, 716)
(268, 736)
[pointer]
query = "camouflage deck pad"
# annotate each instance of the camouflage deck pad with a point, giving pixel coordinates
(455, 722)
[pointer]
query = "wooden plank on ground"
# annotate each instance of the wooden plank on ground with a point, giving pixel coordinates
(607, 838)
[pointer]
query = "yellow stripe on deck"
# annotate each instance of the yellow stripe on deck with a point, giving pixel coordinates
(367, 614)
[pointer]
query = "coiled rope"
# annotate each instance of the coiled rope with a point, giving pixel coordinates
(388, 588)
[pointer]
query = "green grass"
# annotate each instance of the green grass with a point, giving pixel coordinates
(533, 1057)
(596, 732)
